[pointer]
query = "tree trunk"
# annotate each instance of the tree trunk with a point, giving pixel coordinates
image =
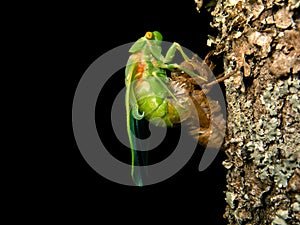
(259, 42)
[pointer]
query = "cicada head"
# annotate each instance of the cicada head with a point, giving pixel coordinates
(155, 35)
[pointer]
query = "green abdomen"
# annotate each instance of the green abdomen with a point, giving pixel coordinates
(156, 103)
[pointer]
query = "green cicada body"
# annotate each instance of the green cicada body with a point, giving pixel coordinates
(155, 98)
(155, 104)
(150, 93)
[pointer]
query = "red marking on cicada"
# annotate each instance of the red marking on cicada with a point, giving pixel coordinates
(139, 71)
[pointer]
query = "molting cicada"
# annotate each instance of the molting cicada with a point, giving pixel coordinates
(161, 99)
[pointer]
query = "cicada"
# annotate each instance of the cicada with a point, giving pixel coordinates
(150, 93)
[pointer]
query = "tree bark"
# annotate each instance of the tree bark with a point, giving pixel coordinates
(259, 42)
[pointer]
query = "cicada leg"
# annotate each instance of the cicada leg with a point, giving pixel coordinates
(190, 72)
(169, 57)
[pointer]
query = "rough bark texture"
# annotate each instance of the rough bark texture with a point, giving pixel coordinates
(260, 44)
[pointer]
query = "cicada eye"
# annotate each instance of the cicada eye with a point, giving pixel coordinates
(149, 35)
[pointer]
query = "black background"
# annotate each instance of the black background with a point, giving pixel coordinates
(79, 34)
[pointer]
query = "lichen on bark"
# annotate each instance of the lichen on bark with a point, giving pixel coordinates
(259, 42)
